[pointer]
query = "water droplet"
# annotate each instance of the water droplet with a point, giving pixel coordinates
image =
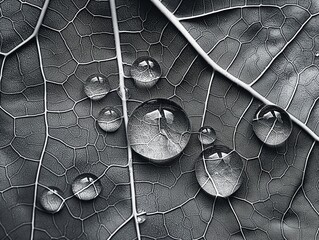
(219, 171)
(51, 199)
(109, 119)
(86, 186)
(317, 54)
(207, 135)
(141, 218)
(145, 72)
(159, 130)
(272, 125)
(97, 86)
(127, 93)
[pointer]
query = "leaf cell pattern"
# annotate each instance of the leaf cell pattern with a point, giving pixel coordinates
(49, 133)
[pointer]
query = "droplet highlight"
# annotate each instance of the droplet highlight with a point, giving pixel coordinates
(141, 219)
(145, 72)
(207, 135)
(97, 86)
(109, 119)
(86, 186)
(51, 199)
(159, 130)
(219, 171)
(272, 125)
(126, 91)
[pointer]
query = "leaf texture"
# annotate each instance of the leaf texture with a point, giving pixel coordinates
(49, 133)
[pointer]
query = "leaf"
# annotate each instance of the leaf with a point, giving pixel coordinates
(50, 136)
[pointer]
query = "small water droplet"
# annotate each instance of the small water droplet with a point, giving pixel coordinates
(317, 54)
(97, 86)
(219, 171)
(272, 125)
(145, 72)
(86, 186)
(51, 199)
(207, 135)
(110, 119)
(159, 130)
(126, 90)
(141, 219)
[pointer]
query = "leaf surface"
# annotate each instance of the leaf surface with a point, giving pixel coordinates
(50, 136)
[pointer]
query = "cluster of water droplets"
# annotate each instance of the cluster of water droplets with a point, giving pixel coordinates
(159, 130)
(85, 186)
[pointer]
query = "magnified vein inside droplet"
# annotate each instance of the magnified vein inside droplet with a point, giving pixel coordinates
(159, 130)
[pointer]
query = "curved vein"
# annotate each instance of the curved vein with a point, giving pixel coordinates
(35, 32)
(201, 52)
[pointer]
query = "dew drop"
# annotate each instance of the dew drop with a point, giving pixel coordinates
(145, 72)
(219, 171)
(272, 125)
(127, 93)
(97, 86)
(159, 130)
(207, 135)
(51, 199)
(86, 186)
(109, 119)
(141, 219)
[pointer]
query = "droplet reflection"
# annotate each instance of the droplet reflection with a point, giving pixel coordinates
(109, 119)
(51, 199)
(97, 86)
(145, 72)
(86, 186)
(219, 171)
(272, 125)
(159, 130)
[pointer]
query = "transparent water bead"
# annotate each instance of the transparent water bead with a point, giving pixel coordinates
(127, 93)
(109, 119)
(86, 186)
(145, 72)
(97, 86)
(141, 218)
(272, 125)
(207, 135)
(159, 130)
(51, 199)
(219, 171)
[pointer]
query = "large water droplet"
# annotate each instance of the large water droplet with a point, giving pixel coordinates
(109, 119)
(51, 199)
(219, 171)
(126, 91)
(97, 86)
(207, 135)
(86, 186)
(272, 125)
(159, 130)
(145, 72)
